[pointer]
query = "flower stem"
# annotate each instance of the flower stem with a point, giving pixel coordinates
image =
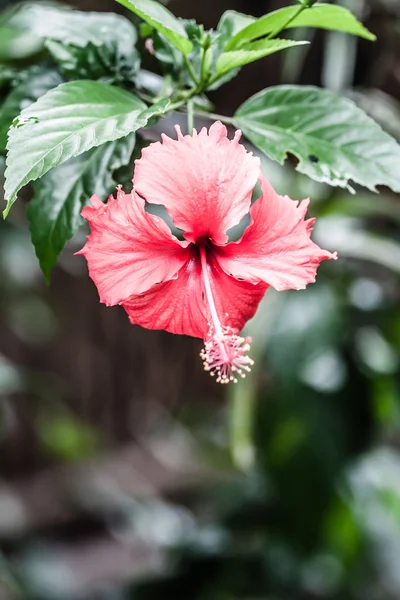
(190, 116)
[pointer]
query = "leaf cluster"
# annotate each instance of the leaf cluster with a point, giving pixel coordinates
(75, 94)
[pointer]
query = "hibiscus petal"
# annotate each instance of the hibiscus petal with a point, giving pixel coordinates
(205, 181)
(180, 305)
(276, 247)
(129, 250)
(236, 301)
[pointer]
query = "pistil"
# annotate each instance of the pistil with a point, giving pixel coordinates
(224, 353)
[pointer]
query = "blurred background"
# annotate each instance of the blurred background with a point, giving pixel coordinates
(127, 473)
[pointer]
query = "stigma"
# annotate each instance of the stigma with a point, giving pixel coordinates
(225, 355)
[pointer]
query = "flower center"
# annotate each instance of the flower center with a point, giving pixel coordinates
(224, 353)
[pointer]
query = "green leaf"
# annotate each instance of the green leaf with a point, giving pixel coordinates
(75, 27)
(87, 45)
(17, 40)
(68, 120)
(332, 138)
(54, 212)
(17, 45)
(231, 23)
(159, 17)
(251, 52)
(34, 83)
(93, 44)
(323, 16)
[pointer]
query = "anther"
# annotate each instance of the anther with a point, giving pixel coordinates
(224, 355)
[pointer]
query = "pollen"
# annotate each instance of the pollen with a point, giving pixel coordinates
(225, 355)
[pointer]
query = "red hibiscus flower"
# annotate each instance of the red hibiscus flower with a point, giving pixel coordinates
(204, 286)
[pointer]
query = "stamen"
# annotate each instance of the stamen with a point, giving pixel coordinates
(224, 353)
(225, 356)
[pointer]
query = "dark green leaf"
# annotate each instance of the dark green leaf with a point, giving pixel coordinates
(54, 212)
(323, 16)
(173, 64)
(166, 52)
(195, 32)
(159, 17)
(79, 63)
(65, 122)
(333, 139)
(98, 62)
(251, 52)
(34, 83)
(7, 75)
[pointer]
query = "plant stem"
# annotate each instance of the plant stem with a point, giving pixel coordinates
(213, 80)
(145, 97)
(178, 104)
(215, 117)
(190, 107)
(190, 70)
(204, 82)
(186, 97)
(204, 74)
(190, 116)
(284, 26)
